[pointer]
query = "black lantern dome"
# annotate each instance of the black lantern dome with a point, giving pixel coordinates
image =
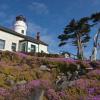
(21, 17)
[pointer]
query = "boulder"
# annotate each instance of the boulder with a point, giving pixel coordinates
(9, 80)
(44, 68)
(21, 82)
(37, 94)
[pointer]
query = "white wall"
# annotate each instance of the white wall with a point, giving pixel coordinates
(9, 38)
(29, 46)
(43, 48)
(39, 47)
(19, 26)
(20, 46)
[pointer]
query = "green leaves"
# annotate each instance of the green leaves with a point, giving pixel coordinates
(80, 27)
(62, 43)
(77, 32)
(95, 17)
(63, 37)
(69, 29)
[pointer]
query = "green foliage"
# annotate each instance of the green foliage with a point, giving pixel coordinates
(42, 54)
(75, 93)
(77, 32)
(13, 67)
(64, 67)
(10, 57)
(95, 17)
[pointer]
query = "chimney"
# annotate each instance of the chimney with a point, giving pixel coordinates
(38, 36)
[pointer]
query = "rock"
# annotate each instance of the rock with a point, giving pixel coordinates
(78, 67)
(64, 85)
(59, 81)
(44, 68)
(69, 75)
(21, 82)
(64, 77)
(37, 94)
(75, 75)
(9, 80)
(61, 78)
(71, 83)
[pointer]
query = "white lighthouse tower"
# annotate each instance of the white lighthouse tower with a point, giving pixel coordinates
(20, 25)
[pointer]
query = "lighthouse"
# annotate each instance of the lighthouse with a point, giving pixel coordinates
(20, 25)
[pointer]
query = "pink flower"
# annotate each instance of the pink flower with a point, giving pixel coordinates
(3, 92)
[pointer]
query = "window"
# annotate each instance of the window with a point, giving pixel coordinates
(42, 51)
(24, 47)
(33, 48)
(2, 44)
(22, 31)
(13, 46)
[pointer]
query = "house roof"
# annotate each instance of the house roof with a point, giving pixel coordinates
(30, 39)
(26, 38)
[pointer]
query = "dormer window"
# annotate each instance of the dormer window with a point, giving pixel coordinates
(22, 31)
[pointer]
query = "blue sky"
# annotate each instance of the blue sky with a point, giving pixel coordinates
(48, 17)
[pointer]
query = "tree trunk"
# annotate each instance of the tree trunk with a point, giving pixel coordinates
(94, 51)
(80, 50)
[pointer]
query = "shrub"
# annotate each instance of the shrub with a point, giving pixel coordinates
(95, 74)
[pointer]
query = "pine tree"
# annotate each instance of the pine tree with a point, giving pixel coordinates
(77, 34)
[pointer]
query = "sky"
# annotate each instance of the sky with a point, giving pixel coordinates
(49, 17)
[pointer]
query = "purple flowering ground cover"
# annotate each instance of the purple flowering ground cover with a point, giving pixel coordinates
(20, 78)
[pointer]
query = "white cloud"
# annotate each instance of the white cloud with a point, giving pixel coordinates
(39, 8)
(51, 41)
(48, 38)
(34, 28)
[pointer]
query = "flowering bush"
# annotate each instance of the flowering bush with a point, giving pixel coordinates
(95, 74)
(16, 68)
(51, 94)
(95, 64)
(3, 92)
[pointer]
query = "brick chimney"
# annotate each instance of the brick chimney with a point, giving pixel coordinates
(38, 36)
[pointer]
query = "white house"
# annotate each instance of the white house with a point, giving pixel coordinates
(17, 40)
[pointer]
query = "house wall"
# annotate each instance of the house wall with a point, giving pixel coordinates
(9, 38)
(21, 46)
(39, 48)
(29, 46)
(43, 48)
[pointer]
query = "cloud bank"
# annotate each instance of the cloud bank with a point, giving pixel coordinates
(39, 8)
